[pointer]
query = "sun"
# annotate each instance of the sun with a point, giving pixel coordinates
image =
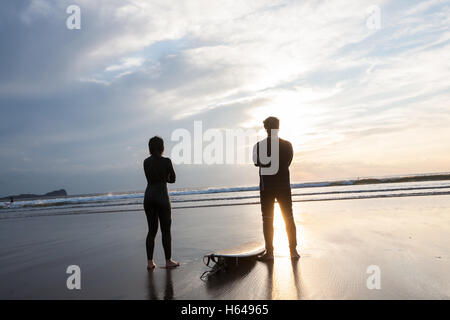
(294, 114)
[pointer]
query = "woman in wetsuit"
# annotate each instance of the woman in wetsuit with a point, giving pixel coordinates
(158, 171)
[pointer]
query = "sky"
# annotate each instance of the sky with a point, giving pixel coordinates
(355, 98)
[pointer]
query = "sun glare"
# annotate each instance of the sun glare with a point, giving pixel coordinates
(280, 239)
(284, 284)
(294, 117)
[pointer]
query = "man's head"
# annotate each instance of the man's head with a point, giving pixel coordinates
(271, 123)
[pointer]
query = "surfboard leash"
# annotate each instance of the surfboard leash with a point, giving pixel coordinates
(219, 265)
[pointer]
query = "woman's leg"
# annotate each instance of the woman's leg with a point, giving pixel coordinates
(152, 221)
(165, 220)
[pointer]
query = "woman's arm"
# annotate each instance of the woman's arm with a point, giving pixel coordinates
(145, 169)
(171, 177)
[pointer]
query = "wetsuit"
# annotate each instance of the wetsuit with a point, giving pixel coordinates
(158, 171)
(277, 187)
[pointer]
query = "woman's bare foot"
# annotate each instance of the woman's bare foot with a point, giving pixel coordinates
(172, 264)
(151, 265)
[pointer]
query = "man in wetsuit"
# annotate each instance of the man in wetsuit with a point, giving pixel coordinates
(275, 185)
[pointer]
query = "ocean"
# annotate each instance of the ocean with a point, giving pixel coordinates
(384, 187)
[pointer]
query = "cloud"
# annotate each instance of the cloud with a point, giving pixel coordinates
(125, 64)
(37, 9)
(85, 101)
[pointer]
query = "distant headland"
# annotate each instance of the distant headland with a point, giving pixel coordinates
(56, 193)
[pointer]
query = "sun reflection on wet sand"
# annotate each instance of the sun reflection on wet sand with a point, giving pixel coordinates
(280, 239)
(283, 278)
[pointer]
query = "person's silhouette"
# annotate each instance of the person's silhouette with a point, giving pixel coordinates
(158, 171)
(275, 186)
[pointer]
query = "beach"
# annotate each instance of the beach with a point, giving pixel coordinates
(406, 237)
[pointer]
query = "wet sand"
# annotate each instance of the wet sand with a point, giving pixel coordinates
(407, 238)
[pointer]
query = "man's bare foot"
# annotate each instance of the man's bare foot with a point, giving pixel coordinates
(172, 264)
(294, 254)
(266, 256)
(151, 265)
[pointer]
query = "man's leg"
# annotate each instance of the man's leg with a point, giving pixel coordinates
(285, 200)
(267, 202)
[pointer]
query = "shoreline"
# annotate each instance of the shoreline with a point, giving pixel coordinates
(424, 194)
(422, 177)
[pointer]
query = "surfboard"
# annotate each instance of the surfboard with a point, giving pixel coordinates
(223, 260)
(246, 250)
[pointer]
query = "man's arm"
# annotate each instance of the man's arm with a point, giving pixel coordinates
(256, 158)
(286, 154)
(256, 155)
(290, 154)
